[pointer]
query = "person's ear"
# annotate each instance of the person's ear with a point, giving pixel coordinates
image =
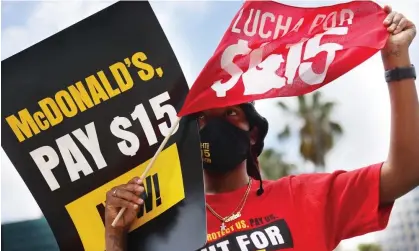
(254, 133)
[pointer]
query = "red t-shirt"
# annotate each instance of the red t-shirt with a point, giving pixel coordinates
(306, 212)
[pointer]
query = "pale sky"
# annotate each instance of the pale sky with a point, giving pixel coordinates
(194, 30)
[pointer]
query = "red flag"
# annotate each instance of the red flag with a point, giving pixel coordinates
(275, 50)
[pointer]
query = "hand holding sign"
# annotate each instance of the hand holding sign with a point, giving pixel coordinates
(150, 164)
(128, 196)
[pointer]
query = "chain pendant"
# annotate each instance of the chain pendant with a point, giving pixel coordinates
(233, 217)
(223, 226)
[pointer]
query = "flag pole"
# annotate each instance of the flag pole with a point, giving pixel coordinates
(150, 164)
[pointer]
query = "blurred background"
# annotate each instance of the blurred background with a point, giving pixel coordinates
(346, 125)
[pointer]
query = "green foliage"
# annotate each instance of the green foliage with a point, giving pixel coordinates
(273, 166)
(318, 132)
(369, 247)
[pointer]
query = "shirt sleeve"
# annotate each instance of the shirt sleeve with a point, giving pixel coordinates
(344, 204)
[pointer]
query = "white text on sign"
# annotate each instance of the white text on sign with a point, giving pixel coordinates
(261, 76)
(255, 25)
(47, 158)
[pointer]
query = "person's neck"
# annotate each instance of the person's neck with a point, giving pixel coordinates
(228, 182)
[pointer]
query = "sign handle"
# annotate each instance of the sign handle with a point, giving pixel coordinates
(150, 164)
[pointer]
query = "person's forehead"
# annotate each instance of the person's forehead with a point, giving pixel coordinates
(221, 110)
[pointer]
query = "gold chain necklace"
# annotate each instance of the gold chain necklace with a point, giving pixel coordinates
(233, 215)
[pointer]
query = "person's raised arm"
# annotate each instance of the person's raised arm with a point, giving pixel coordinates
(126, 195)
(400, 173)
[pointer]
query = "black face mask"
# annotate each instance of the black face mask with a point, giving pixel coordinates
(223, 146)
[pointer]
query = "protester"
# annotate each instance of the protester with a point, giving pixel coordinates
(304, 212)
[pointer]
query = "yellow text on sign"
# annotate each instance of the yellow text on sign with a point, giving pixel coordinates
(87, 219)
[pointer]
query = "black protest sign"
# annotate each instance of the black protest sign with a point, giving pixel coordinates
(85, 110)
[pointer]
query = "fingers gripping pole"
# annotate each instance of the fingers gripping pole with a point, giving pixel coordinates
(150, 164)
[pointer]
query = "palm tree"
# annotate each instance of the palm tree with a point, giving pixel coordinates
(318, 133)
(369, 247)
(273, 166)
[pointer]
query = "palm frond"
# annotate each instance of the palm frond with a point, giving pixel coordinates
(285, 134)
(325, 110)
(336, 128)
(283, 106)
(316, 99)
(302, 105)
